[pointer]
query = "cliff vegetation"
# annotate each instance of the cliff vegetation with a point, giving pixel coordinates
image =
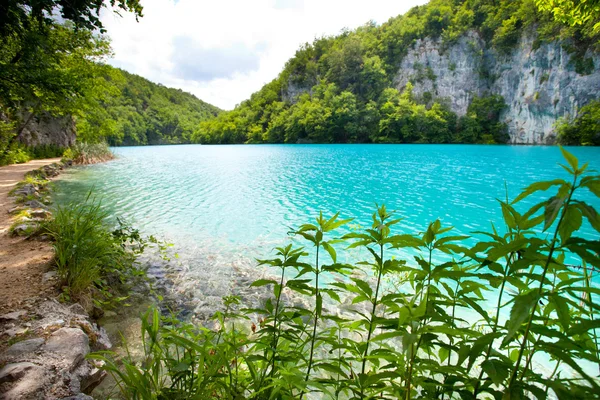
(347, 88)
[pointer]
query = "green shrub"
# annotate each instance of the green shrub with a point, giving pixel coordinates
(89, 153)
(583, 130)
(406, 328)
(15, 155)
(93, 259)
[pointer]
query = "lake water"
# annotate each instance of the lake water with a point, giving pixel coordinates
(225, 206)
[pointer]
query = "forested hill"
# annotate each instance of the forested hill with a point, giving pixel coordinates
(135, 111)
(475, 71)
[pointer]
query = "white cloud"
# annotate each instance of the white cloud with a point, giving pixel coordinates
(223, 51)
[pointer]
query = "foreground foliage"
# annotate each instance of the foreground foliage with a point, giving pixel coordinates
(508, 317)
(95, 262)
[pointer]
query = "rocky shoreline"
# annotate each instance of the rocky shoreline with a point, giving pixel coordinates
(44, 343)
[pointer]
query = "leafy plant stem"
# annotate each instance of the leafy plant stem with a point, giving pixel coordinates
(375, 301)
(315, 321)
(515, 371)
(494, 328)
(414, 348)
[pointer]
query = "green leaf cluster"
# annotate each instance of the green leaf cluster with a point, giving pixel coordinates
(584, 130)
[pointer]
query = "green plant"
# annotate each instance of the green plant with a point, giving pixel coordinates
(88, 153)
(93, 260)
(466, 317)
(582, 130)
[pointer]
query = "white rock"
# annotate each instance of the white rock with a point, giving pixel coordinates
(72, 344)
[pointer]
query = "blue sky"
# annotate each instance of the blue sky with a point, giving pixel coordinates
(223, 51)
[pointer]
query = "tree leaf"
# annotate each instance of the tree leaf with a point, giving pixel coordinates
(591, 214)
(520, 312)
(571, 159)
(570, 223)
(594, 186)
(319, 305)
(553, 206)
(496, 370)
(262, 282)
(562, 310)
(537, 186)
(509, 215)
(330, 250)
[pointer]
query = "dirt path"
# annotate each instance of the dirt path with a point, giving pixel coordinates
(22, 261)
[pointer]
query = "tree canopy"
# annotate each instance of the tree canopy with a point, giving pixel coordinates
(20, 15)
(341, 88)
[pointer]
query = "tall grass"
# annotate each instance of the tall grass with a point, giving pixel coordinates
(91, 257)
(89, 153)
(433, 335)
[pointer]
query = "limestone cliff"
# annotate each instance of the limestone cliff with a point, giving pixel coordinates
(45, 129)
(538, 82)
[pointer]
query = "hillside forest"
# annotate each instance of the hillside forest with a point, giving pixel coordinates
(341, 89)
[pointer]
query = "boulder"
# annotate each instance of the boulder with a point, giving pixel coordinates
(80, 396)
(40, 213)
(25, 229)
(35, 204)
(13, 372)
(94, 377)
(49, 276)
(22, 348)
(29, 381)
(13, 316)
(72, 344)
(77, 309)
(26, 190)
(16, 209)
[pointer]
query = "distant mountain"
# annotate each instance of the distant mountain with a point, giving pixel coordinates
(450, 71)
(135, 111)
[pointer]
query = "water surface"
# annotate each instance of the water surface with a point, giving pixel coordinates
(225, 206)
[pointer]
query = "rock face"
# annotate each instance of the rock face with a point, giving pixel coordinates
(538, 82)
(52, 364)
(49, 130)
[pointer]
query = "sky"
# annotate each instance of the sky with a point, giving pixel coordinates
(223, 51)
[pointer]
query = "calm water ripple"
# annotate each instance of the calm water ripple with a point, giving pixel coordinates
(224, 206)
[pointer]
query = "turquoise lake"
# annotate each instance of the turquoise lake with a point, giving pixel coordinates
(225, 206)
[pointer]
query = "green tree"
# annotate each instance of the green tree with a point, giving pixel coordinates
(574, 12)
(19, 16)
(583, 130)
